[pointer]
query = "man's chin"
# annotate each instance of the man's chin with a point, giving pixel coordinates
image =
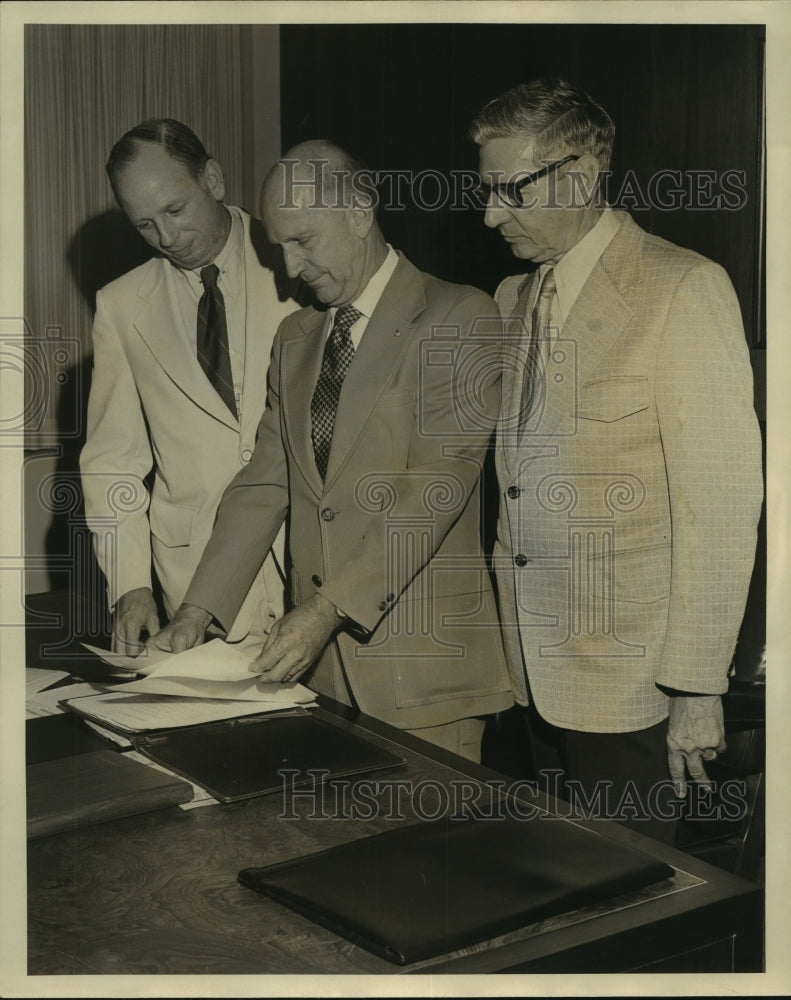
(327, 296)
(522, 252)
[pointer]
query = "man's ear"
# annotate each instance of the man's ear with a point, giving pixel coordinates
(585, 180)
(362, 214)
(214, 180)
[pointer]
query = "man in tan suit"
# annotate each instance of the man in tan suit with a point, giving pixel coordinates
(152, 406)
(629, 465)
(394, 611)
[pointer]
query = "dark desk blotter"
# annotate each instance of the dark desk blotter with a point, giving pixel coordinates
(420, 891)
(241, 758)
(92, 787)
(62, 735)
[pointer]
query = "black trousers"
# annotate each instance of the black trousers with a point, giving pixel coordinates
(615, 776)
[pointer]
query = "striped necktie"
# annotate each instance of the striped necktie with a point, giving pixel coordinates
(212, 340)
(534, 375)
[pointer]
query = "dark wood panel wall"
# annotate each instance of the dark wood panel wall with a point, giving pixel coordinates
(684, 98)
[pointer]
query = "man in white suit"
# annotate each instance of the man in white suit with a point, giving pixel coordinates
(152, 405)
(629, 466)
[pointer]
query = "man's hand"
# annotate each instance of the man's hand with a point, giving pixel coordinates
(297, 640)
(135, 613)
(187, 629)
(696, 732)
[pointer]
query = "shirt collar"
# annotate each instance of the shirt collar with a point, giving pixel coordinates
(229, 261)
(575, 266)
(368, 300)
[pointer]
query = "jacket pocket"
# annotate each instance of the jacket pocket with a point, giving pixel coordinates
(611, 399)
(171, 523)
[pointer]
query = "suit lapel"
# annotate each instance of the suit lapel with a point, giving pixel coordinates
(257, 346)
(300, 364)
(161, 327)
(515, 309)
(597, 319)
(390, 329)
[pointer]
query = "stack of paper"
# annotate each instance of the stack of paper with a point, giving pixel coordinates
(214, 670)
(37, 680)
(204, 684)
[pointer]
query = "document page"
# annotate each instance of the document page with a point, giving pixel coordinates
(214, 670)
(134, 713)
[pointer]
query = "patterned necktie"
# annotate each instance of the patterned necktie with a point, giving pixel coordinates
(338, 354)
(213, 354)
(534, 370)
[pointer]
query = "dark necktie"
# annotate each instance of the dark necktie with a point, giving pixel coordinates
(338, 354)
(213, 354)
(534, 373)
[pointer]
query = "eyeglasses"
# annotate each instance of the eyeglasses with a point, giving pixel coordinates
(511, 192)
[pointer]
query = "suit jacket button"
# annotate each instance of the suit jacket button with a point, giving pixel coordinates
(383, 605)
(390, 598)
(317, 580)
(514, 492)
(327, 513)
(520, 560)
(246, 455)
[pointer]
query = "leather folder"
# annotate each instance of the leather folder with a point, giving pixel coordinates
(420, 891)
(257, 755)
(89, 788)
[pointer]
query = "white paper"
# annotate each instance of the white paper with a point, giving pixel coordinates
(135, 664)
(141, 712)
(248, 688)
(48, 702)
(214, 670)
(214, 660)
(38, 678)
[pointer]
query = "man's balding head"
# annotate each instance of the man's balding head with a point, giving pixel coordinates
(316, 173)
(314, 208)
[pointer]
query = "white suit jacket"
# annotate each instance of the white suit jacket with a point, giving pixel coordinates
(628, 512)
(152, 407)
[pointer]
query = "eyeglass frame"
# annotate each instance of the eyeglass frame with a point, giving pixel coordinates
(511, 193)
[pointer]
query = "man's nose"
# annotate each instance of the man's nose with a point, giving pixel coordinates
(292, 259)
(167, 233)
(495, 214)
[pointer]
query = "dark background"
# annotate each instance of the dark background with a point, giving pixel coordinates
(683, 97)
(401, 96)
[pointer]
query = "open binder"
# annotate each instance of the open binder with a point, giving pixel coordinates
(420, 891)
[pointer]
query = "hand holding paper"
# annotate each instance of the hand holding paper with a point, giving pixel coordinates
(213, 670)
(297, 640)
(187, 629)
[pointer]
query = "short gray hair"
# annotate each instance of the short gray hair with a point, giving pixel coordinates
(559, 117)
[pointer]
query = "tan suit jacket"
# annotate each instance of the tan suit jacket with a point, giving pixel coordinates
(152, 407)
(392, 537)
(628, 513)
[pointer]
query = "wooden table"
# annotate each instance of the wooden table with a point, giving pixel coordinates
(157, 893)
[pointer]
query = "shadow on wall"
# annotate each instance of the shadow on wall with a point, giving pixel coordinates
(103, 249)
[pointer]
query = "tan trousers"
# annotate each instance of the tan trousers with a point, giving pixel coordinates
(462, 737)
